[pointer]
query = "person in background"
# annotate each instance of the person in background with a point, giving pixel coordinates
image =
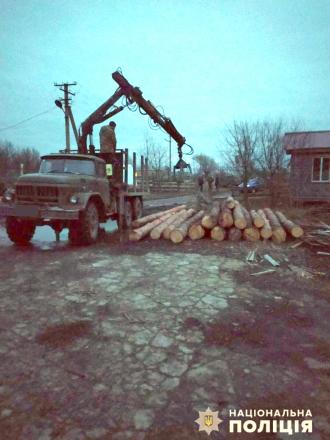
(108, 141)
(217, 182)
(210, 181)
(200, 181)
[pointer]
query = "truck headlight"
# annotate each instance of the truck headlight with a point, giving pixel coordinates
(9, 195)
(74, 199)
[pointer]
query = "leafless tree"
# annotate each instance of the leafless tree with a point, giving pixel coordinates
(206, 164)
(6, 156)
(11, 159)
(242, 140)
(29, 157)
(271, 155)
(157, 157)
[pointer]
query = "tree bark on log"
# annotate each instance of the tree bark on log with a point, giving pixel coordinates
(250, 233)
(218, 233)
(210, 220)
(181, 218)
(149, 218)
(156, 232)
(239, 218)
(266, 231)
(279, 234)
(137, 234)
(258, 221)
(225, 217)
(179, 233)
(234, 234)
(292, 228)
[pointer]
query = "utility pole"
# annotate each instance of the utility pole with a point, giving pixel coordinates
(67, 112)
(169, 155)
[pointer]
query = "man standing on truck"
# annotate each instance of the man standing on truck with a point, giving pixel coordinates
(108, 141)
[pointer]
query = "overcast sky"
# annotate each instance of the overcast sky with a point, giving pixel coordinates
(206, 62)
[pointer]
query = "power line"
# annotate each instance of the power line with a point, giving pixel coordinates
(26, 120)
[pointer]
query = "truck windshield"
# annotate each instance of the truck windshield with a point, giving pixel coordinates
(71, 166)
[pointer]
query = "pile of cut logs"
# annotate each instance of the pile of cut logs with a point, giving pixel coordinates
(227, 220)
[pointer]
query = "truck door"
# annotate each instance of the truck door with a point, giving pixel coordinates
(103, 183)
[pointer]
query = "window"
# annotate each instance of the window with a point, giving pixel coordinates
(321, 169)
(100, 169)
(70, 166)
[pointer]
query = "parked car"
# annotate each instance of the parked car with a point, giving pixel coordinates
(255, 184)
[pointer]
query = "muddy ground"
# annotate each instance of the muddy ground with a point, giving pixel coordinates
(130, 340)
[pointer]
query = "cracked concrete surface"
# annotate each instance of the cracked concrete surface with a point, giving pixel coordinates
(101, 345)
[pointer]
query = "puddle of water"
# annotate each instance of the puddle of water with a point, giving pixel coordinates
(44, 236)
(46, 233)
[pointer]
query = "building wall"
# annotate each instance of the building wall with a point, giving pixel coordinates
(301, 185)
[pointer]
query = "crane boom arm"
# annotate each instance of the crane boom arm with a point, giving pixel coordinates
(133, 95)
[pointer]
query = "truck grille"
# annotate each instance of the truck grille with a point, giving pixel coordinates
(29, 193)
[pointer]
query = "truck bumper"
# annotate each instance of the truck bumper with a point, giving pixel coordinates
(37, 212)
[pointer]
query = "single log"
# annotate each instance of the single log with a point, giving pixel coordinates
(218, 233)
(239, 218)
(210, 220)
(149, 218)
(247, 216)
(137, 234)
(181, 218)
(226, 217)
(292, 228)
(156, 233)
(234, 234)
(250, 233)
(279, 234)
(180, 232)
(196, 232)
(266, 231)
(230, 202)
(258, 221)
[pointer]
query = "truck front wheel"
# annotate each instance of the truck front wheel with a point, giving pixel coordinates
(20, 231)
(85, 231)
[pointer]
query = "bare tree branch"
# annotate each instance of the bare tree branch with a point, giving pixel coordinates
(242, 140)
(206, 164)
(158, 159)
(271, 155)
(11, 159)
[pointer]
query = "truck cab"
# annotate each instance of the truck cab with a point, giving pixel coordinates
(74, 191)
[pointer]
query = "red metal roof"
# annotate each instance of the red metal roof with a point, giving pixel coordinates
(307, 140)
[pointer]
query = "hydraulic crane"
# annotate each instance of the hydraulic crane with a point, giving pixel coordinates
(132, 95)
(81, 191)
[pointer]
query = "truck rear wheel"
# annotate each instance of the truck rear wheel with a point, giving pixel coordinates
(20, 231)
(86, 230)
(127, 217)
(137, 208)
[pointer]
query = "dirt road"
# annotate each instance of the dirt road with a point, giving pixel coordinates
(129, 341)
